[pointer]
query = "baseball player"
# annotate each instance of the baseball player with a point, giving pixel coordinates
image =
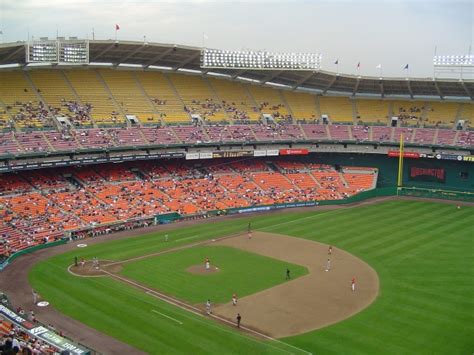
(330, 250)
(328, 265)
(239, 318)
(234, 299)
(208, 307)
(35, 296)
(288, 276)
(353, 284)
(208, 264)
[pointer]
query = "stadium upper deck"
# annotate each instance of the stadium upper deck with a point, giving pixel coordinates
(144, 55)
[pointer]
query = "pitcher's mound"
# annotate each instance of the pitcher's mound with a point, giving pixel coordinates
(201, 269)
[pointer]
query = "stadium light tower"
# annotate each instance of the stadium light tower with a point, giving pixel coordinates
(449, 65)
(262, 60)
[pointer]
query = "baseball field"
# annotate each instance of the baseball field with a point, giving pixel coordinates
(412, 261)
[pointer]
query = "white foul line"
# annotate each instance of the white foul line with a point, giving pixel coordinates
(196, 310)
(164, 315)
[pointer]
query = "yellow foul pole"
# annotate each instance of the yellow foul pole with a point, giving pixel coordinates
(400, 162)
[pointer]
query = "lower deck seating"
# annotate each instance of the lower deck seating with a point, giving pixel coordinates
(40, 206)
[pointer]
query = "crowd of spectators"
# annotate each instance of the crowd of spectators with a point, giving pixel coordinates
(108, 194)
(78, 114)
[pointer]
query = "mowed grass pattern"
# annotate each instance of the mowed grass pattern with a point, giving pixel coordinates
(239, 272)
(422, 252)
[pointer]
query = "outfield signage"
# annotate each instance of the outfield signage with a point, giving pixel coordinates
(396, 154)
(259, 153)
(427, 174)
(294, 152)
(88, 161)
(233, 154)
(272, 207)
(468, 158)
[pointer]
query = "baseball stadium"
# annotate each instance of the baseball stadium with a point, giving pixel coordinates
(165, 198)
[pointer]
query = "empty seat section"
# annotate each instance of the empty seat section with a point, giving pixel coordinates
(21, 101)
(303, 106)
(8, 144)
(198, 97)
(167, 103)
(56, 92)
(360, 133)
(338, 109)
(129, 95)
(424, 135)
(441, 114)
(92, 91)
(269, 101)
(314, 131)
(373, 111)
(235, 100)
(445, 137)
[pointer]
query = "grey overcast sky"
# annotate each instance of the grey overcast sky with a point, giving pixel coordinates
(387, 32)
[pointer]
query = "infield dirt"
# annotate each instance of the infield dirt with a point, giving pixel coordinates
(309, 302)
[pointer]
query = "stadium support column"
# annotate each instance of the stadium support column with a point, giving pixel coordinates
(400, 162)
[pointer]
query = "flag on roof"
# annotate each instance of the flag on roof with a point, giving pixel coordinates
(358, 66)
(337, 61)
(406, 67)
(379, 66)
(117, 27)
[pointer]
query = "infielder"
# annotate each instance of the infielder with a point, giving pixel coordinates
(328, 265)
(208, 307)
(208, 264)
(234, 299)
(353, 284)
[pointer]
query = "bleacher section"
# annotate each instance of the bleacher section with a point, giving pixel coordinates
(339, 109)
(21, 101)
(373, 111)
(302, 105)
(409, 113)
(50, 141)
(235, 100)
(41, 205)
(96, 98)
(128, 94)
(198, 97)
(165, 99)
(270, 102)
(56, 92)
(91, 90)
(441, 114)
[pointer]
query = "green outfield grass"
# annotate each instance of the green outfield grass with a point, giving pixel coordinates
(421, 251)
(239, 272)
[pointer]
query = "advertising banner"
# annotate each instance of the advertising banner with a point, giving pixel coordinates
(259, 153)
(396, 154)
(294, 152)
(272, 152)
(233, 154)
(42, 333)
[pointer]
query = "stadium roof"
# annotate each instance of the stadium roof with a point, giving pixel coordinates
(157, 56)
